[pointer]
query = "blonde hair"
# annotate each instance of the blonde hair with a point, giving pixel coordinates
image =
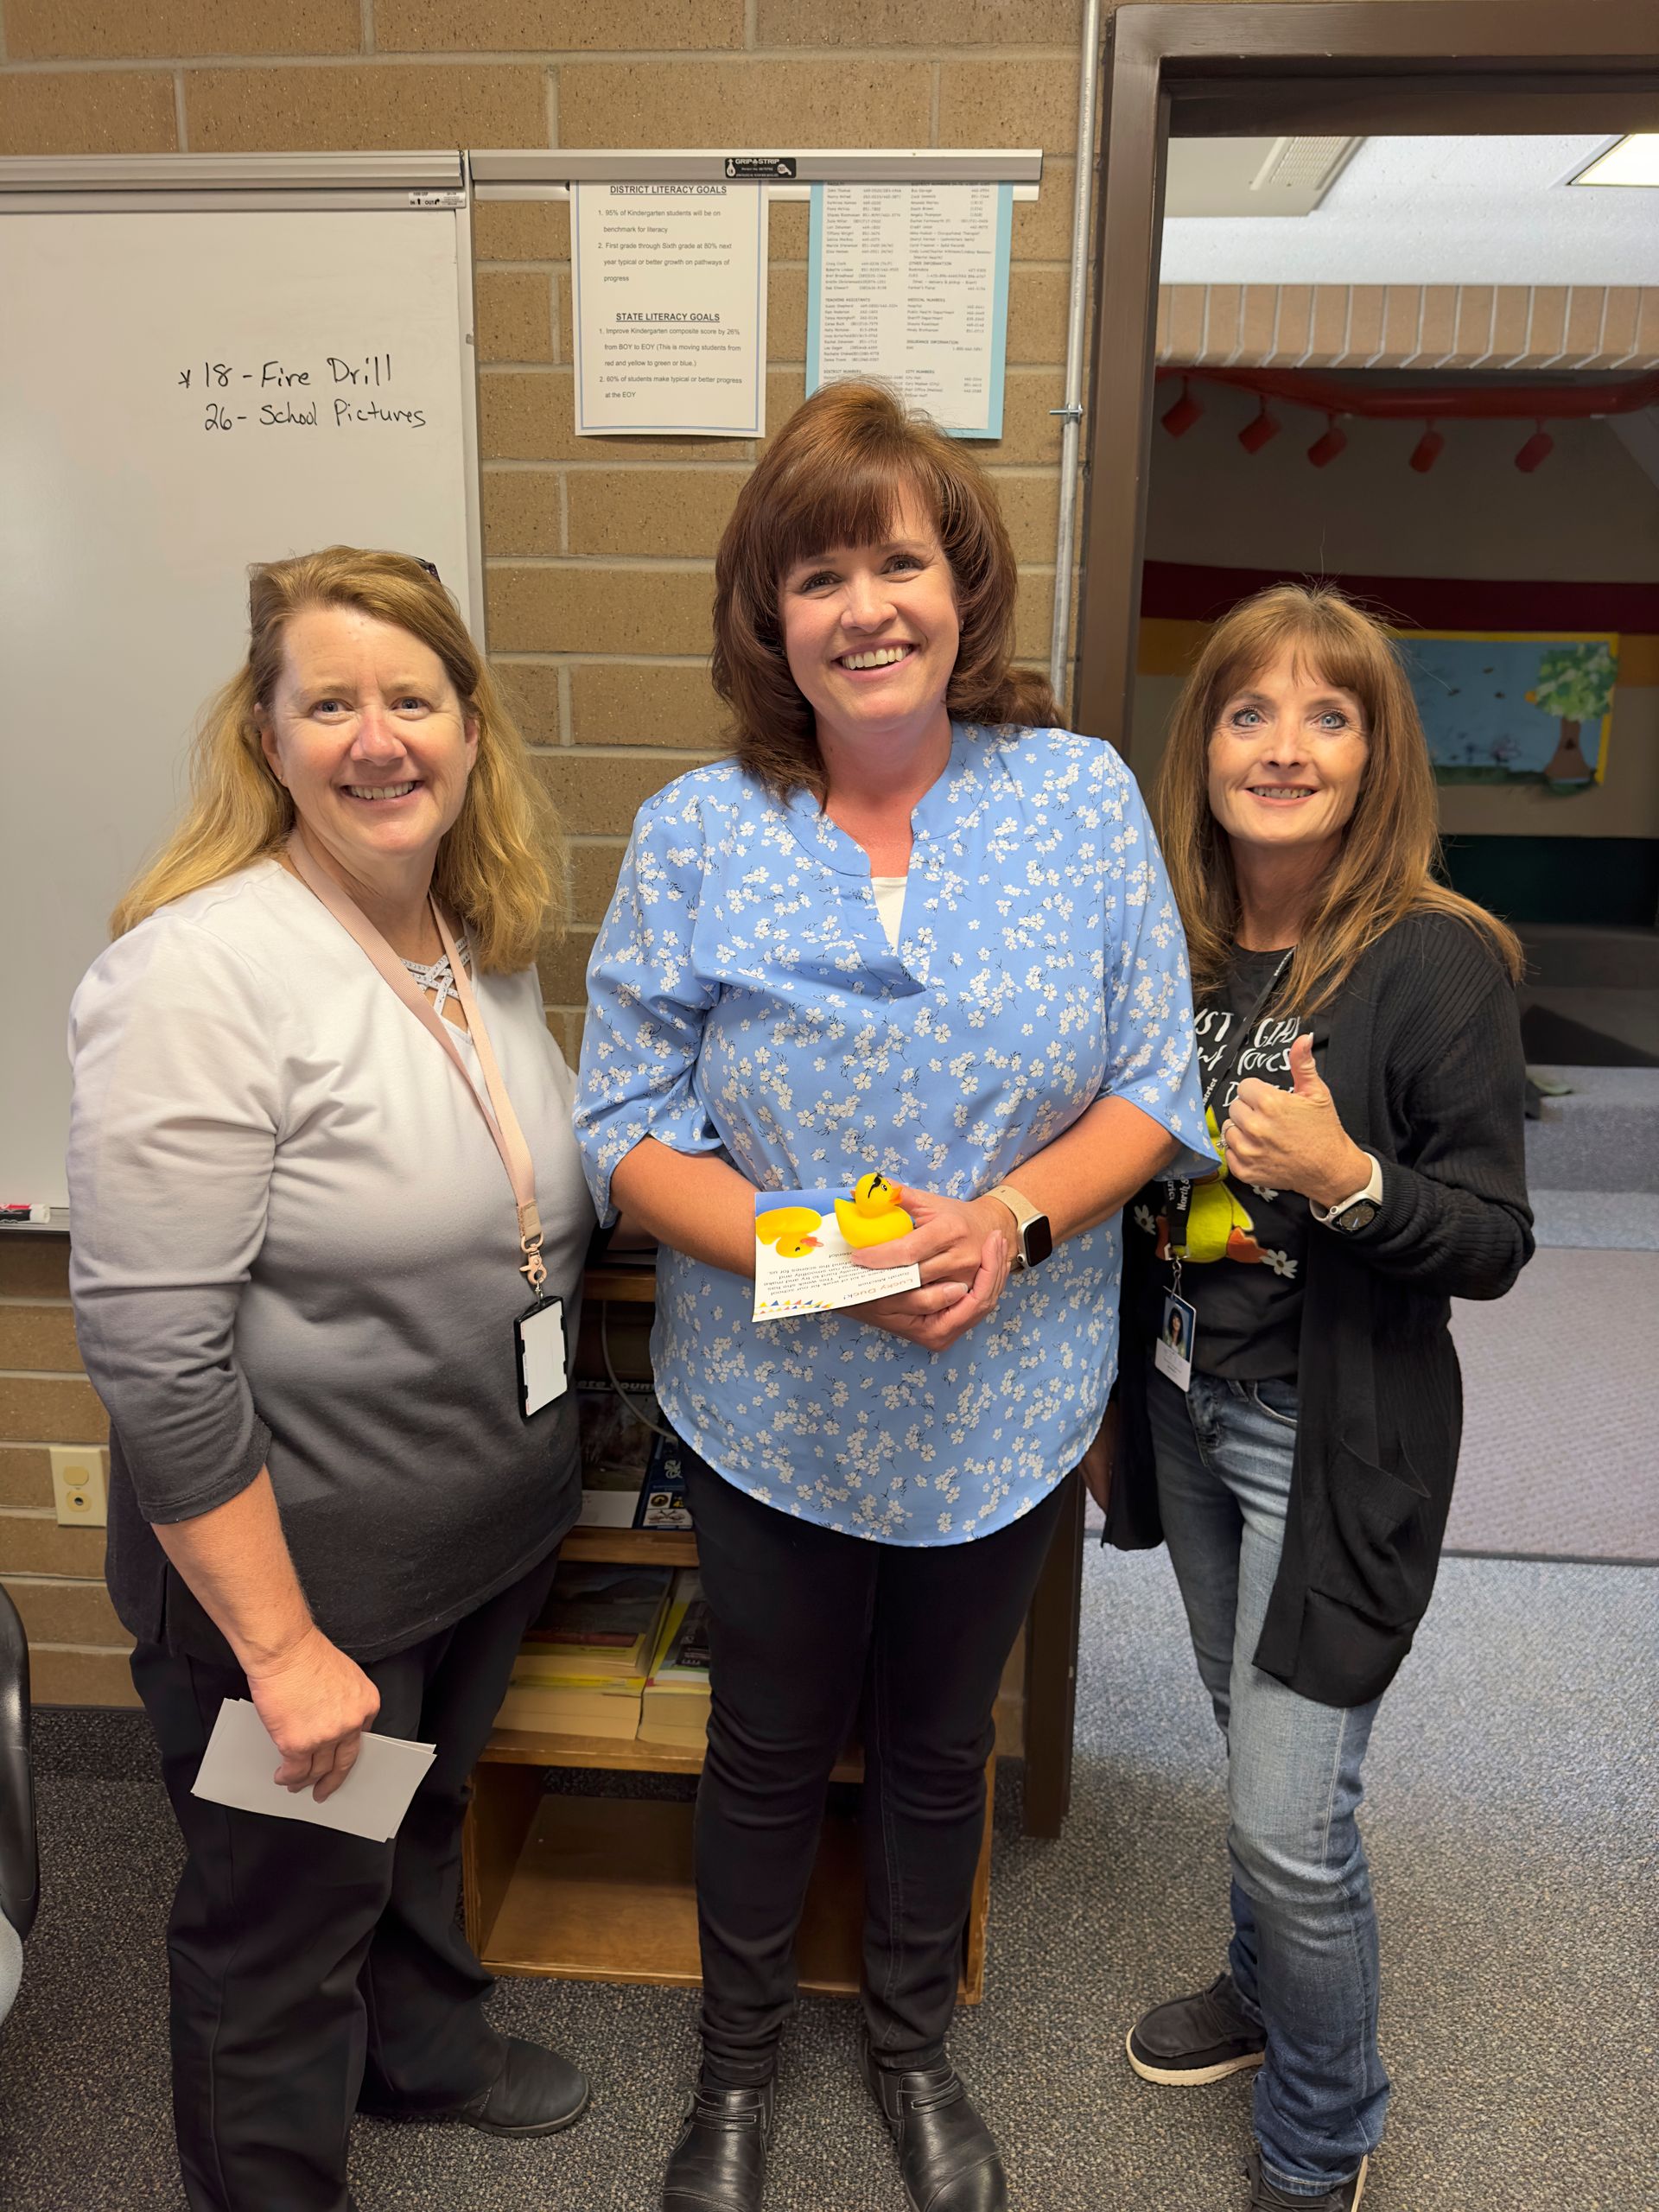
(500, 865)
(1385, 867)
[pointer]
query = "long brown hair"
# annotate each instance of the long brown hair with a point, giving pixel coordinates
(501, 863)
(1384, 868)
(834, 475)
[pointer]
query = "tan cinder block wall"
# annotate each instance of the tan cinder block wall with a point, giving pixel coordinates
(54, 1576)
(598, 551)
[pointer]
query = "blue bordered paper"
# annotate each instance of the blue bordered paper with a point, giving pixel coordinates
(921, 371)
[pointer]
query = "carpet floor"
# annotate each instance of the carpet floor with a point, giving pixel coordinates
(1513, 1810)
(1559, 1458)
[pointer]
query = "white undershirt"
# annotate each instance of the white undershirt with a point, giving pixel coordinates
(890, 904)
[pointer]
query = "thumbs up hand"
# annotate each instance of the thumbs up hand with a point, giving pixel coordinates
(1306, 1080)
(1293, 1140)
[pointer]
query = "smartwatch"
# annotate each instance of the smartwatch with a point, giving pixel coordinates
(1032, 1240)
(1358, 1212)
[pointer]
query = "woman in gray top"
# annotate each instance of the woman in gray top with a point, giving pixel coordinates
(302, 1237)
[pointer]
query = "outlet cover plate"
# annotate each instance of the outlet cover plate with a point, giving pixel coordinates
(79, 1488)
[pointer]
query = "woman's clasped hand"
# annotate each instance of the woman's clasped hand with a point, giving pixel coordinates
(963, 1247)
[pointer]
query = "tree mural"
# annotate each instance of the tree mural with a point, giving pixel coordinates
(1575, 682)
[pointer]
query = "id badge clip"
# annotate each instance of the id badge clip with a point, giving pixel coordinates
(538, 1348)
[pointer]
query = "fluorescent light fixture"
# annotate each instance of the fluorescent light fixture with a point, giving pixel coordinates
(1631, 160)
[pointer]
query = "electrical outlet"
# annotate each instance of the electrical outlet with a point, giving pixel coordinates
(78, 1486)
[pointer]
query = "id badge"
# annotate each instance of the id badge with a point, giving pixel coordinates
(1178, 1335)
(539, 1344)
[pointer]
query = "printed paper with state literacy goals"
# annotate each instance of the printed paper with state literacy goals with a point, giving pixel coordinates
(804, 1263)
(671, 309)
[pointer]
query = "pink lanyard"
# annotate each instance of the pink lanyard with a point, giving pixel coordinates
(502, 1123)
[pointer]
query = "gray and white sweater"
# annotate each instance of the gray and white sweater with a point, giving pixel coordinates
(294, 1244)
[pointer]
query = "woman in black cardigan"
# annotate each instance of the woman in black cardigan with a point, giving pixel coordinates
(1364, 1075)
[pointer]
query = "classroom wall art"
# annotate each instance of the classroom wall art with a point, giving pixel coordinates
(1514, 707)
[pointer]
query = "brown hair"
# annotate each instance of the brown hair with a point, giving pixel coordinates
(501, 863)
(1385, 867)
(834, 475)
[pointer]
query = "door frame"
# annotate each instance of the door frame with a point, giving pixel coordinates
(1224, 68)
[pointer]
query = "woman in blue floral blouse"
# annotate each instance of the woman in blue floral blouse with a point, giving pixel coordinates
(912, 928)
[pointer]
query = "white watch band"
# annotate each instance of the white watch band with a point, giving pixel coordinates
(1371, 1188)
(1024, 1214)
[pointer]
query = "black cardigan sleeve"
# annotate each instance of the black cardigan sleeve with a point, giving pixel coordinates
(1454, 1218)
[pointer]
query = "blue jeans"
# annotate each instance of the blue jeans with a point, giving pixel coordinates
(1303, 1955)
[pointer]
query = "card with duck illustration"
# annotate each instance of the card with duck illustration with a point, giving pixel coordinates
(804, 1242)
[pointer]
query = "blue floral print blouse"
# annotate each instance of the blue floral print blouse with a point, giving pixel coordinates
(744, 1000)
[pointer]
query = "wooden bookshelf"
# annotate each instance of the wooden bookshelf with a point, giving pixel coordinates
(621, 1286)
(631, 1547)
(601, 1888)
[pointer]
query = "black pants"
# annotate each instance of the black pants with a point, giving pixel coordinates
(806, 1626)
(308, 1966)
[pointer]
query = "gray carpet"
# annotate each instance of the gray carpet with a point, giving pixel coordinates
(1514, 1811)
(1559, 1458)
(1603, 1135)
(1613, 1221)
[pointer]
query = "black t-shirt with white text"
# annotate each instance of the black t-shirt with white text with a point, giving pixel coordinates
(1246, 1245)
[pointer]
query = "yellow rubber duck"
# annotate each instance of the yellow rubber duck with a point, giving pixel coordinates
(871, 1216)
(873, 1196)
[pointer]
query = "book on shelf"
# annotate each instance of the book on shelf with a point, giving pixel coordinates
(581, 1668)
(609, 1709)
(631, 1475)
(675, 1705)
(598, 1621)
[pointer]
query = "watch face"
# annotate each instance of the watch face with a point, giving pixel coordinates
(1039, 1240)
(1360, 1215)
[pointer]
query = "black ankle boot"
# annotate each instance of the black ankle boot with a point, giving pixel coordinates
(946, 2153)
(718, 2162)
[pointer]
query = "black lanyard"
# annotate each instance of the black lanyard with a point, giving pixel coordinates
(1226, 1064)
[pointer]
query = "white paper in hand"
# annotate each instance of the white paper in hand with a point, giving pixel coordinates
(240, 1759)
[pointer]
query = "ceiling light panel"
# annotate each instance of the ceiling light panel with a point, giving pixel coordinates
(1633, 161)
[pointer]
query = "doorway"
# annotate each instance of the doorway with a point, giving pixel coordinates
(1381, 308)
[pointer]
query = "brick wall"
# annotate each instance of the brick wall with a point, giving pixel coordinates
(53, 1574)
(599, 552)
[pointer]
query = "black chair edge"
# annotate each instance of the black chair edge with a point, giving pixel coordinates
(20, 1882)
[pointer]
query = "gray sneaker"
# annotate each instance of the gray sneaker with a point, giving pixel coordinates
(1264, 2197)
(1196, 2039)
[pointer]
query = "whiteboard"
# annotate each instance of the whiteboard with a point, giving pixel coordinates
(183, 393)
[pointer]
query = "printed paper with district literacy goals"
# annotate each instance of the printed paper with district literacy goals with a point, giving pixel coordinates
(671, 309)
